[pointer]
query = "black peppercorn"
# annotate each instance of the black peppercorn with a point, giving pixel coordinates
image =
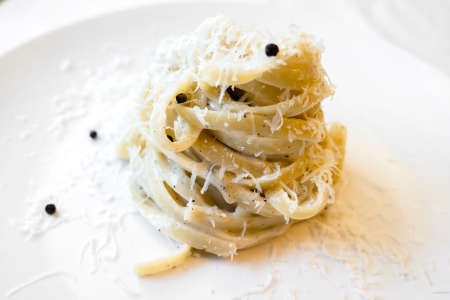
(93, 134)
(181, 98)
(170, 138)
(272, 49)
(50, 209)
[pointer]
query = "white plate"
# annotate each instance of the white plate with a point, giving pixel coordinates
(385, 237)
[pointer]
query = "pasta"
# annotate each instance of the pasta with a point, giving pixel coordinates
(163, 264)
(230, 147)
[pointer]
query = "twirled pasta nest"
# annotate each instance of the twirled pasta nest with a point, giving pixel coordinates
(230, 147)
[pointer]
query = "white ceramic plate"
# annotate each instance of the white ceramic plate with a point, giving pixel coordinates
(385, 237)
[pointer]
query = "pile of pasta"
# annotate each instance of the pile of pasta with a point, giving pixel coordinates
(230, 147)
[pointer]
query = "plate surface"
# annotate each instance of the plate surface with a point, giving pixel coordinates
(385, 237)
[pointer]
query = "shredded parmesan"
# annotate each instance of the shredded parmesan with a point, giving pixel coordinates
(39, 278)
(207, 179)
